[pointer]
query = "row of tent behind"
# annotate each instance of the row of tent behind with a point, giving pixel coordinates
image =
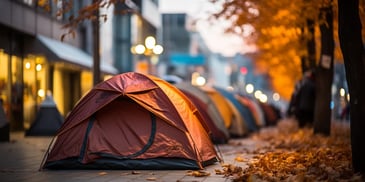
(229, 115)
(136, 121)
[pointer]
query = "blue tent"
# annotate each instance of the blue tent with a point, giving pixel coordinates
(245, 112)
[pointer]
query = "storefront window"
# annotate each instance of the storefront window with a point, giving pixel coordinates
(86, 82)
(34, 86)
(4, 87)
(16, 100)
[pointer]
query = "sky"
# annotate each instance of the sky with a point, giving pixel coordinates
(214, 35)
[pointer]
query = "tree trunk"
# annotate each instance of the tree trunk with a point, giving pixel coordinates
(96, 48)
(353, 52)
(324, 75)
(308, 62)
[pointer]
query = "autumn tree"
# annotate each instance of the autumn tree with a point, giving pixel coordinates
(282, 31)
(324, 72)
(353, 52)
(285, 36)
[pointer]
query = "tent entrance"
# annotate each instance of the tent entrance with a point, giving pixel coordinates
(143, 150)
(117, 125)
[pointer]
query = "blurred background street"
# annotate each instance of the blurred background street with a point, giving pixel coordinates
(42, 52)
(241, 76)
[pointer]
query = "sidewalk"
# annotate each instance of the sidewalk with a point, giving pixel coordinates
(20, 160)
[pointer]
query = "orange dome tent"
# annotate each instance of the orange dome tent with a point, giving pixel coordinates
(132, 121)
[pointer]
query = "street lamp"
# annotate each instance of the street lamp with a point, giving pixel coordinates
(150, 49)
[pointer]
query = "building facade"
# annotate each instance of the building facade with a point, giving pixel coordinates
(34, 62)
(177, 41)
(133, 21)
(187, 55)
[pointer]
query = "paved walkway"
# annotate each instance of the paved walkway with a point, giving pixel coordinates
(20, 160)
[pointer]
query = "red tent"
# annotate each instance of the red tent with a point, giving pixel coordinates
(132, 121)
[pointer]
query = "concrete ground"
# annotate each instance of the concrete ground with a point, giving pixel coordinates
(21, 158)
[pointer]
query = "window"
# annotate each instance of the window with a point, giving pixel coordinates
(28, 2)
(4, 85)
(34, 86)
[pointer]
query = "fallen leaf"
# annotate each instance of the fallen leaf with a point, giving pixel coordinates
(239, 159)
(151, 179)
(197, 173)
(219, 172)
(103, 173)
(136, 172)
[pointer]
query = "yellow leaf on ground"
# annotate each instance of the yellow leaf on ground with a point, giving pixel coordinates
(240, 159)
(151, 179)
(136, 172)
(197, 173)
(103, 173)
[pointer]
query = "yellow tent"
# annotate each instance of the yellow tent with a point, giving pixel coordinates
(221, 103)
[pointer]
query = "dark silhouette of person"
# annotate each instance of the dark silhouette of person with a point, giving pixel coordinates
(302, 101)
(345, 114)
(305, 99)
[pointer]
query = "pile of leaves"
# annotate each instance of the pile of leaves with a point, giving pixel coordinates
(295, 154)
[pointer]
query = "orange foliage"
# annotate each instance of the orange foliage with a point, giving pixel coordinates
(278, 36)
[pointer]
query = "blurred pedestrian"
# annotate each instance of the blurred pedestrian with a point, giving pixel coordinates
(293, 101)
(301, 105)
(345, 114)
